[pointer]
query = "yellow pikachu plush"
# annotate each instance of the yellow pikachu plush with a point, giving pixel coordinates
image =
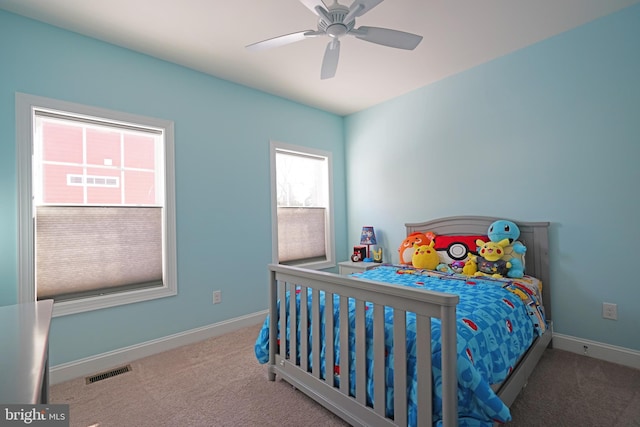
(470, 266)
(425, 256)
(490, 262)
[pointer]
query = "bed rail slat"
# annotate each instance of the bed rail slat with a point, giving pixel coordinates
(283, 315)
(344, 344)
(273, 324)
(400, 367)
(315, 332)
(361, 357)
(379, 379)
(423, 367)
(304, 329)
(329, 339)
(293, 330)
(449, 376)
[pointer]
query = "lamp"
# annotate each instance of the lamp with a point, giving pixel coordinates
(368, 237)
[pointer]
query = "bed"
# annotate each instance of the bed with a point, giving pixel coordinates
(432, 380)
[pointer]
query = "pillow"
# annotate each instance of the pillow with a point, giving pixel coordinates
(456, 248)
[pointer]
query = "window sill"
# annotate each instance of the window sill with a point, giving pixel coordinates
(320, 265)
(64, 308)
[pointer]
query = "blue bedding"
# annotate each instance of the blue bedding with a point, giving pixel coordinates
(497, 322)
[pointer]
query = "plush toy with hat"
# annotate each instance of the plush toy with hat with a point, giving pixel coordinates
(490, 262)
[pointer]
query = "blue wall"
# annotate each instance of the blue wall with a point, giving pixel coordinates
(548, 133)
(222, 133)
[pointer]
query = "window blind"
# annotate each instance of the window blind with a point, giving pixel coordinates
(84, 249)
(76, 118)
(301, 233)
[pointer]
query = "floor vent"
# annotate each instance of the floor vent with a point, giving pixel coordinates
(108, 374)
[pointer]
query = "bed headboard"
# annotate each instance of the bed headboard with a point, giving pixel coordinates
(534, 235)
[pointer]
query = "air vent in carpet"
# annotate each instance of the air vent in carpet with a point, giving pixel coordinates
(108, 374)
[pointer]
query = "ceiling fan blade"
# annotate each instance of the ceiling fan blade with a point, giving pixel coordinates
(314, 4)
(359, 8)
(387, 37)
(281, 40)
(330, 60)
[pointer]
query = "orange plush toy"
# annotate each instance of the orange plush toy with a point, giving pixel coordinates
(406, 248)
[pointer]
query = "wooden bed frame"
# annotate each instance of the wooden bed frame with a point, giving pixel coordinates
(426, 304)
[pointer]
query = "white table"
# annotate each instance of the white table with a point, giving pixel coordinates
(24, 352)
(349, 267)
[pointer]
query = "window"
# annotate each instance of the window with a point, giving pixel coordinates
(302, 210)
(97, 214)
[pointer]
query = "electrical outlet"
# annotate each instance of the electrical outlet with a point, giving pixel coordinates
(217, 297)
(609, 311)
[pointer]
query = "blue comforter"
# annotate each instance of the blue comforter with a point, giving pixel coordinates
(497, 321)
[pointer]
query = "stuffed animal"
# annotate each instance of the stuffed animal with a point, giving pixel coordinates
(470, 266)
(425, 256)
(490, 262)
(406, 248)
(444, 268)
(514, 252)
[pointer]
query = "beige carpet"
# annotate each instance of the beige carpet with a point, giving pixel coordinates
(218, 382)
(567, 389)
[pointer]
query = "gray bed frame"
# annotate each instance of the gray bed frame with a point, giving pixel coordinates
(426, 304)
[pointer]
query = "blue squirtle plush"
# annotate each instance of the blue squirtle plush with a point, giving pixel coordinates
(514, 253)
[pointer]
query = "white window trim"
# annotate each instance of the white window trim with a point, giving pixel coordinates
(330, 240)
(25, 105)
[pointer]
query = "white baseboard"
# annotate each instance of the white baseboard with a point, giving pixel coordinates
(105, 361)
(610, 353)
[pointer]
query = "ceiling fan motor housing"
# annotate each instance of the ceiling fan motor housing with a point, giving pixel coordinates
(336, 28)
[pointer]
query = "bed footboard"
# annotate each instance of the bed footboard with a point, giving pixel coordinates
(308, 376)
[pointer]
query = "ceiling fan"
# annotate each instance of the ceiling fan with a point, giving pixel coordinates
(337, 21)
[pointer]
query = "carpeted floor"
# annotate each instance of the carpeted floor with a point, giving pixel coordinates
(567, 389)
(218, 382)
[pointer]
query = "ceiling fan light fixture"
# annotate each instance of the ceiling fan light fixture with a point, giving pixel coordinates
(337, 30)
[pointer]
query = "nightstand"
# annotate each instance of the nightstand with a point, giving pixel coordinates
(349, 267)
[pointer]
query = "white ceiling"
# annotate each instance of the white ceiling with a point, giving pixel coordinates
(211, 35)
